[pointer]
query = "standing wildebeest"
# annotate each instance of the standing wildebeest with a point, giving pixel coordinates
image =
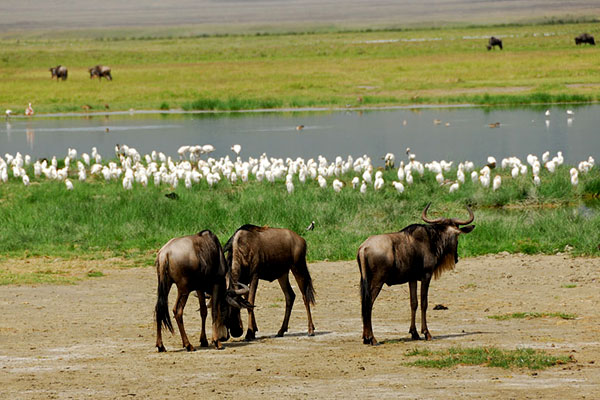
(494, 41)
(197, 263)
(585, 38)
(269, 253)
(416, 253)
(101, 71)
(59, 72)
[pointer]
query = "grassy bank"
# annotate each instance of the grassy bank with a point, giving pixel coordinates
(101, 219)
(539, 64)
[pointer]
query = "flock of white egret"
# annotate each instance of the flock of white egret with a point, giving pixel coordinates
(195, 165)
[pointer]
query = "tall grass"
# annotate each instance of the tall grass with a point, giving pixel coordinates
(103, 218)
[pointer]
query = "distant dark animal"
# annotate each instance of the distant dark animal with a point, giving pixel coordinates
(416, 253)
(270, 253)
(197, 263)
(101, 71)
(59, 72)
(494, 41)
(172, 196)
(585, 38)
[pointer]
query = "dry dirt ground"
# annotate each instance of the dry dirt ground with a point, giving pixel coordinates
(95, 339)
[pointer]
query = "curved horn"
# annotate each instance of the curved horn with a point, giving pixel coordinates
(244, 289)
(429, 221)
(467, 221)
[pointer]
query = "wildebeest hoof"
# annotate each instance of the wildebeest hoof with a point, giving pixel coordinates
(415, 336)
(189, 347)
(311, 333)
(370, 341)
(280, 333)
(203, 343)
(427, 336)
(250, 335)
(161, 349)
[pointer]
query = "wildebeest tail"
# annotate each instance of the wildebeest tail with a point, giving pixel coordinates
(162, 301)
(309, 291)
(365, 290)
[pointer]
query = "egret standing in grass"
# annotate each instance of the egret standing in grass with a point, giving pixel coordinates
(29, 110)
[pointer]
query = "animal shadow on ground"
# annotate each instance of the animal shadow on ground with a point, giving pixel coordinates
(435, 337)
(226, 345)
(296, 334)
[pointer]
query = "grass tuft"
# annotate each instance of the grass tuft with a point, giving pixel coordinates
(531, 315)
(487, 356)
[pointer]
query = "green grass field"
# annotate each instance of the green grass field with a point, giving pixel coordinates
(101, 219)
(539, 64)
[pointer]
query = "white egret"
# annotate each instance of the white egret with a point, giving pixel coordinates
(497, 183)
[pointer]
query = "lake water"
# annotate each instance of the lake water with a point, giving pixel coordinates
(454, 133)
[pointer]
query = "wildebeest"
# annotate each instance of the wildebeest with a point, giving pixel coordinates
(59, 72)
(197, 263)
(416, 253)
(101, 71)
(270, 253)
(585, 38)
(494, 41)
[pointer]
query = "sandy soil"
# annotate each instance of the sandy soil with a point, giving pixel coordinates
(95, 339)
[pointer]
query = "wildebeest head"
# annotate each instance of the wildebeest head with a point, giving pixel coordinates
(450, 229)
(230, 320)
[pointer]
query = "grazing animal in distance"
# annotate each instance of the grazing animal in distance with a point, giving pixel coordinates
(585, 38)
(60, 72)
(255, 252)
(101, 71)
(416, 253)
(494, 41)
(197, 263)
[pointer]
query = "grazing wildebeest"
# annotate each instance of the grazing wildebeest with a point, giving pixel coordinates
(197, 263)
(416, 253)
(585, 38)
(59, 72)
(494, 41)
(270, 253)
(101, 71)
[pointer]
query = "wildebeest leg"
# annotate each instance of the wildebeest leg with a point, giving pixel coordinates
(302, 286)
(368, 337)
(424, 290)
(252, 328)
(290, 296)
(414, 304)
(203, 314)
(178, 311)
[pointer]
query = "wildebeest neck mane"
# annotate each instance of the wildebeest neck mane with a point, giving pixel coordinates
(246, 227)
(438, 245)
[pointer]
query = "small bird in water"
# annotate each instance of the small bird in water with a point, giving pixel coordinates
(494, 125)
(299, 127)
(8, 113)
(236, 148)
(106, 130)
(311, 226)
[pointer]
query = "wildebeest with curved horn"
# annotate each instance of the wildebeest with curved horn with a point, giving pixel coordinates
(59, 72)
(197, 263)
(494, 41)
(101, 71)
(255, 253)
(416, 253)
(585, 38)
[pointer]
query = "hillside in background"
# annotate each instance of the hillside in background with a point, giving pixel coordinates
(32, 17)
